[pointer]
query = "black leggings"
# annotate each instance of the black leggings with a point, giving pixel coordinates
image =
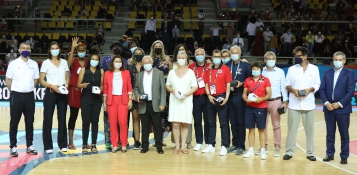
(72, 117)
(90, 115)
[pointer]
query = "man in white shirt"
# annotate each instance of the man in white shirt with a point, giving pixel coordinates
(267, 36)
(201, 17)
(259, 24)
(150, 30)
(21, 79)
(238, 41)
(251, 34)
(319, 46)
(279, 93)
(11, 56)
(302, 81)
(287, 39)
(215, 35)
(151, 83)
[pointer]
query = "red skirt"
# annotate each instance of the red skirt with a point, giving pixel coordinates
(74, 97)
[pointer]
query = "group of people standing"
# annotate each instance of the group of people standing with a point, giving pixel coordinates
(162, 92)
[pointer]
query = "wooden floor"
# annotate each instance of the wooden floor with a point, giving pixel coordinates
(133, 162)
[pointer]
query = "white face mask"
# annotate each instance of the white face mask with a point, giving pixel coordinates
(181, 62)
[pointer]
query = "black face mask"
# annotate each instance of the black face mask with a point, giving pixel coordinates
(158, 51)
(117, 51)
(298, 60)
(138, 58)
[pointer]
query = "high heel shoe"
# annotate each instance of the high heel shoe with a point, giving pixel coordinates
(84, 149)
(94, 149)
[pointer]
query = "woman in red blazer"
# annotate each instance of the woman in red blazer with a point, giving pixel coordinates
(117, 97)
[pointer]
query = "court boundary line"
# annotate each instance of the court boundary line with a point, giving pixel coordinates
(302, 149)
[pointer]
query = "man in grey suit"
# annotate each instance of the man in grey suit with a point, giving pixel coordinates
(150, 91)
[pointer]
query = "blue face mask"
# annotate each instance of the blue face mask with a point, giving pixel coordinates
(132, 50)
(147, 67)
(271, 63)
(226, 60)
(200, 58)
(298, 60)
(235, 57)
(216, 61)
(25, 53)
(55, 52)
(255, 73)
(94, 63)
(81, 54)
(337, 64)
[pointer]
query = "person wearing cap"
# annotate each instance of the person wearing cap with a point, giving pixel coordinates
(75, 65)
(217, 84)
(240, 70)
(21, 78)
(116, 49)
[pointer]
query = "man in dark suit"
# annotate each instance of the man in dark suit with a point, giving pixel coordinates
(166, 33)
(151, 83)
(336, 90)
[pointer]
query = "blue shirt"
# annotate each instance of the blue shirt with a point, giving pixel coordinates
(243, 73)
(105, 61)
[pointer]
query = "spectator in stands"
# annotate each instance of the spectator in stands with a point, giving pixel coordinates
(230, 30)
(267, 36)
(340, 10)
(252, 16)
(100, 33)
(17, 23)
(3, 44)
(94, 47)
(37, 14)
(159, 5)
(227, 15)
(10, 56)
(319, 46)
(150, 29)
(348, 46)
(201, 17)
(239, 25)
(227, 45)
(332, 6)
(258, 44)
(350, 31)
(124, 41)
(287, 39)
(349, 12)
(327, 54)
(309, 42)
(251, 34)
(267, 17)
(215, 34)
(338, 43)
(272, 26)
(175, 25)
(170, 15)
(32, 43)
(3, 26)
(282, 13)
(13, 43)
(166, 33)
(273, 44)
(238, 41)
(259, 24)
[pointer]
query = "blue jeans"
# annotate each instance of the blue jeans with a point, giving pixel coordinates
(236, 111)
(309, 47)
(199, 108)
(212, 110)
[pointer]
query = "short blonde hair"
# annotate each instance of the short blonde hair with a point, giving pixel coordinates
(269, 53)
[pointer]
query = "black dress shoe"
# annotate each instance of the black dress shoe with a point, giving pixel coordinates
(343, 161)
(160, 151)
(311, 158)
(287, 157)
(144, 150)
(328, 158)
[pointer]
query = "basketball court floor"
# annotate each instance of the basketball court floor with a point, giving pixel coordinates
(133, 162)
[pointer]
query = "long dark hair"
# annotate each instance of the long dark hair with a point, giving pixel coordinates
(111, 64)
(174, 57)
(49, 50)
(90, 58)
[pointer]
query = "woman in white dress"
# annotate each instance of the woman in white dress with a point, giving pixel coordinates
(181, 83)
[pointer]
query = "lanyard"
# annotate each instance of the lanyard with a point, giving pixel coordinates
(236, 70)
(196, 70)
(210, 74)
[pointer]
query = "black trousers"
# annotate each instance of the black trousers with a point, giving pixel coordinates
(50, 100)
(21, 103)
(90, 115)
(146, 119)
(72, 117)
(250, 41)
(150, 37)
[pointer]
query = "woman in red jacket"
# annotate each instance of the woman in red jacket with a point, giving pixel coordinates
(117, 95)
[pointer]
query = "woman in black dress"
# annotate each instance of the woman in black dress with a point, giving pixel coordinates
(90, 80)
(135, 68)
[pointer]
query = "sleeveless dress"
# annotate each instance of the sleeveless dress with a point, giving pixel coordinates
(74, 93)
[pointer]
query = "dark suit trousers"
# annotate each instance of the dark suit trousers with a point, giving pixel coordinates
(146, 119)
(212, 111)
(343, 123)
(236, 111)
(21, 103)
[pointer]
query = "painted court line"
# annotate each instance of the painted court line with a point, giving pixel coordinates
(348, 171)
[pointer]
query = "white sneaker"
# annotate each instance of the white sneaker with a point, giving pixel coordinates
(277, 152)
(263, 155)
(223, 151)
(248, 154)
(209, 149)
(64, 149)
(258, 152)
(197, 147)
(49, 151)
